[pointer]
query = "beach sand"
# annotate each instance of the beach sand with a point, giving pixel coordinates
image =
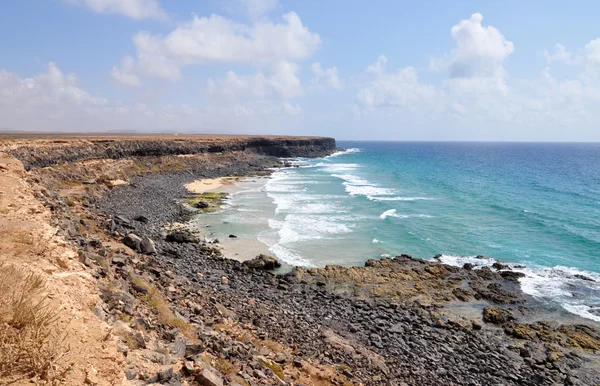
(210, 184)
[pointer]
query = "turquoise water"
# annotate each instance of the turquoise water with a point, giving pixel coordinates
(531, 204)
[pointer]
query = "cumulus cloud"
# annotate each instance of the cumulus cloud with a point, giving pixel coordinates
(134, 9)
(482, 95)
(401, 89)
(480, 51)
(50, 88)
(328, 76)
(125, 75)
(592, 52)
(280, 80)
(379, 66)
(292, 110)
(218, 39)
(476, 63)
(560, 54)
(256, 9)
(55, 101)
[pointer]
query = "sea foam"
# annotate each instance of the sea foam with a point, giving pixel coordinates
(392, 213)
(556, 284)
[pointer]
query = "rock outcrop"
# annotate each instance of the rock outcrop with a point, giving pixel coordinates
(43, 152)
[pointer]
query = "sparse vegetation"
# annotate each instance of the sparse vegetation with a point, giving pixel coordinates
(155, 300)
(30, 342)
(277, 370)
(212, 200)
(226, 367)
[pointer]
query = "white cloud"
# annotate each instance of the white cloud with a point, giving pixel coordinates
(592, 52)
(379, 66)
(217, 39)
(292, 110)
(256, 9)
(125, 74)
(279, 80)
(135, 9)
(396, 90)
(329, 76)
(51, 88)
(54, 101)
(480, 51)
(560, 54)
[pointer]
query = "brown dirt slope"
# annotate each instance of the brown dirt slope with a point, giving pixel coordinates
(31, 245)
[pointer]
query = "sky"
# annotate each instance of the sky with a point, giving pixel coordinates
(351, 69)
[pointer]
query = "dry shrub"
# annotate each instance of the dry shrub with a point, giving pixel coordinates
(29, 242)
(30, 345)
(157, 302)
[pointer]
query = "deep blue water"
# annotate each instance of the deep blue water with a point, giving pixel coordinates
(536, 204)
(531, 203)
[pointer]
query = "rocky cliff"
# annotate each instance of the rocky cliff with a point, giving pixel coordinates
(40, 151)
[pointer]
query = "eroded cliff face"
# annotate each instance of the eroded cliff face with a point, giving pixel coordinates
(37, 152)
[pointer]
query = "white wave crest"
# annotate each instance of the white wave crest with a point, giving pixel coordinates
(566, 286)
(343, 152)
(289, 256)
(392, 213)
(373, 198)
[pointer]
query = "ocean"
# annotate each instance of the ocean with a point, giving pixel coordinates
(527, 204)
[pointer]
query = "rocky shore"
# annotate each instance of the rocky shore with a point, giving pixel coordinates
(181, 313)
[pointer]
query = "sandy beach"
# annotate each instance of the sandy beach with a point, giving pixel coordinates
(210, 184)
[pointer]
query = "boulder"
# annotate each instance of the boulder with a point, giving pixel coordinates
(232, 236)
(499, 266)
(147, 246)
(119, 261)
(142, 219)
(201, 205)
(511, 275)
(209, 376)
(261, 261)
(583, 277)
(132, 241)
(181, 237)
(120, 220)
(496, 315)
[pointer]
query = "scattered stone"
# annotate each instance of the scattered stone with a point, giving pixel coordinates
(181, 237)
(119, 261)
(120, 220)
(499, 266)
(209, 376)
(194, 349)
(298, 362)
(188, 367)
(132, 241)
(280, 358)
(583, 277)
(147, 246)
(165, 374)
(131, 374)
(142, 219)
(264, 262)
(496, 315)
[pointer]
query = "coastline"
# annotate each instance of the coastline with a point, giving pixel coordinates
(339, 325)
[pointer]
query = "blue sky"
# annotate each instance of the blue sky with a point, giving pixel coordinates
(436, 70)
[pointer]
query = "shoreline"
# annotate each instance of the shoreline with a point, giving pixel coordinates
(246, 248)
(381, 323)
(348, 285)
